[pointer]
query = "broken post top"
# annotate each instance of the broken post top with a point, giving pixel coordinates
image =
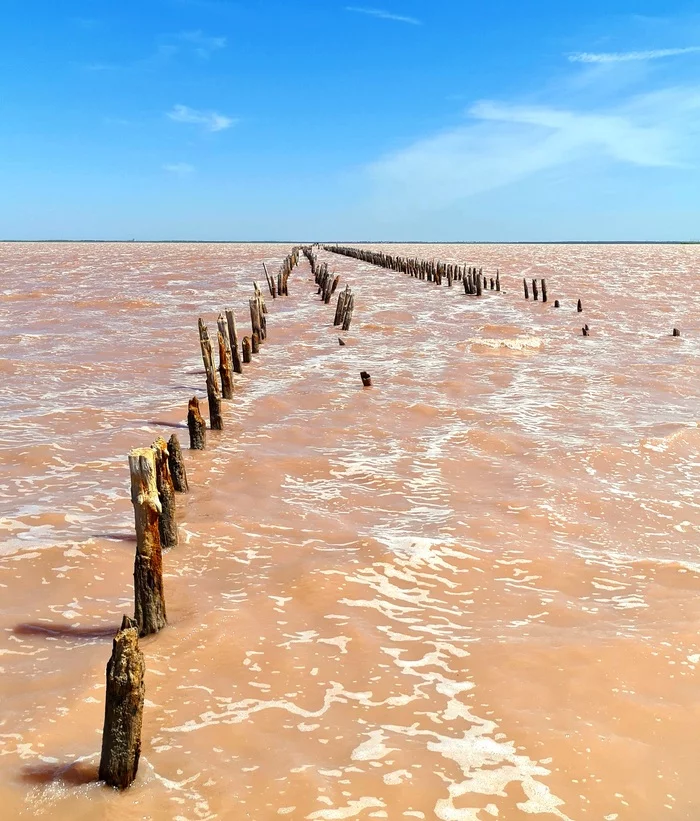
(142, 466)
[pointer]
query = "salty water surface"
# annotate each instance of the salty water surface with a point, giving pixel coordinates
(469, 592)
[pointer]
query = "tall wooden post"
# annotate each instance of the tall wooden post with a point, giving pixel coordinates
(121, 736)
(167, 524)
(233, 341)
(177, 465)
(149, 598)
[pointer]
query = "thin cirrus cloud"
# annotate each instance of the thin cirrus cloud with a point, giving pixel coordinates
(630, 56)
(504, 143)
(384, 15)
(180, 169)
(202, 44)
(209, 120)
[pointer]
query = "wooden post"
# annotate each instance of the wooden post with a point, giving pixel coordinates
(149, 613)
(255, 317)
(245, 346)
(343, 296)
(676, 332)
(255, 343)
(544, 290)
(527, 295)
(225, 367)
(556, 303)
(167, 525)
(366, 379)
(585, 330)
(216, 420)
(579, 307)
(124, 697)
(233, 341)
(349, 307)
(197, 426)
(498, 281)
(177, 465)
(270, 282)
(534, 290)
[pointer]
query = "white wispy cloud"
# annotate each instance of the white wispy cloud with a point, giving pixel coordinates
(211, 120)
(181, 169)
(506, 142)
(630, 56)
(384, 15)
(202, 44)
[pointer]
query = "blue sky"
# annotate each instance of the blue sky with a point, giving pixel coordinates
(407, 120)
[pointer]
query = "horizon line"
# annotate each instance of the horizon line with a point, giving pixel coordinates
(356, 242)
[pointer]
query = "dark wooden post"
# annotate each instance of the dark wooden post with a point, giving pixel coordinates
(216, 420)
(196, 425)
(498, 281)
(527, 295)
(124, 697)
(255, 343)
(149, 613)
(177, 465)
(349, 307)
(544, 290)
(676, 332)
(225, 367)
(167, 524)
(534, 290)
(233, 341)
(366, 379)
(579, 307)
(556, 303)
(246, 348)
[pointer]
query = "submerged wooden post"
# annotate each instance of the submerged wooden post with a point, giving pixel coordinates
(585, 330)
(167, 525)
(556, 303)
(124, 697)
(579, 307)
(527, 295)
(544, 290)
(366, 379)
(246, 348)
(177, 465)
(676, 332)
(148, 566)
(233, 341)
(196, 425)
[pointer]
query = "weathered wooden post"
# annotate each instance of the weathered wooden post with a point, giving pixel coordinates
(233, 341)
(556, 303)
(167, 524)
(544, 290)
(225, 366)
(366, 379)
(255, 317)
(585, 330)
(149, 599)
(196, 425)
(534, 290)
(177, 465)
(124, 697)
(255, 343)
(498, 281)
(527, 295)
(349, 307)
(676, 332)
(579, 307)
(216, 420)
(246, 348)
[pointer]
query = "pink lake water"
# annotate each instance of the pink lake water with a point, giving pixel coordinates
(469, 592)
